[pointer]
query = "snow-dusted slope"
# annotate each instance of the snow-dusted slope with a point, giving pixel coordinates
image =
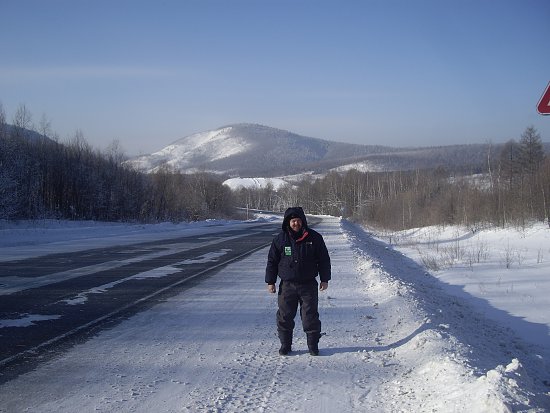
(199, 148)
(255, 183)
(249, 150)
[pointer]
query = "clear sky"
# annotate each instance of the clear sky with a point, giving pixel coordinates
(398, 73)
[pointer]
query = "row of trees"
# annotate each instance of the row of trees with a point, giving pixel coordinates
(40, 177)
(514, 190)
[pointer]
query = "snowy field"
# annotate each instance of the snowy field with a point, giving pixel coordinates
(506, 270)
(468, 335)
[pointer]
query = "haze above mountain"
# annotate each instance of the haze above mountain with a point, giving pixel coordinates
(251, 150)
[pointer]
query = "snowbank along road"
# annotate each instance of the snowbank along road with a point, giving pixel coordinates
(395, 342)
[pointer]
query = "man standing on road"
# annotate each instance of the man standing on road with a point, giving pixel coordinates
(297, 255)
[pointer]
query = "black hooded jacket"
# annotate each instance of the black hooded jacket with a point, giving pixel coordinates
(297, 257)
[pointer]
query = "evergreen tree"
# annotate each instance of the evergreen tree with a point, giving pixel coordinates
(531, 152)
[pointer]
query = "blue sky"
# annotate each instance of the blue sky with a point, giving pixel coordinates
(398, 73)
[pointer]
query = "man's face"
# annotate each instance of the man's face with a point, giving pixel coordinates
(295, 224)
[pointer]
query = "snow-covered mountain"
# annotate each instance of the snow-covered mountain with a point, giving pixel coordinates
(253, 150)
(195, 151)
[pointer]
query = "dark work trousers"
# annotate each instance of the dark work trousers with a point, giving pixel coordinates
(307, 296)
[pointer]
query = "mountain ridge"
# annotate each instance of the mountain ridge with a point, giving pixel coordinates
(246, 149)
(253, 150)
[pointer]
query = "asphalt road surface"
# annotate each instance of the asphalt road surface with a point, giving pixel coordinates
(62, 299)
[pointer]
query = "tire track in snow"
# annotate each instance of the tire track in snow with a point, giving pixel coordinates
(247, 375)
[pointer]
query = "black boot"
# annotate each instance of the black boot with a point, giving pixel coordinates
(286, 342)
(285, 349)
(313, 349)
(313, 343)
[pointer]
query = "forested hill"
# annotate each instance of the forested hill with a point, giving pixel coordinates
(252, 150)
(41, 178)
(249, 150)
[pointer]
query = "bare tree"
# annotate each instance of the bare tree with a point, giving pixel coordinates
(3, 124)
(22, 121)
(45, 126)
(510, 165)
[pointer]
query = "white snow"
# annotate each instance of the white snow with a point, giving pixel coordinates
(26, 320)
(508, 270)
(20, 240)
(215, 145)
(398, 338)
(255, 183)
(154, 273)
(209, 146)
(364, 166)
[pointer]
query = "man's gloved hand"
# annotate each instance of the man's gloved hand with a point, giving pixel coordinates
(323, 286)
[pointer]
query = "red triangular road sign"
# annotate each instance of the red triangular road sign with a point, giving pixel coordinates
(544, 103)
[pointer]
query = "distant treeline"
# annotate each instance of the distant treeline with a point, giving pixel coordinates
(42, 178)
(514, 189)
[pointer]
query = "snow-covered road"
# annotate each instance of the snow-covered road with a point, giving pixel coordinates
(395, 342)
